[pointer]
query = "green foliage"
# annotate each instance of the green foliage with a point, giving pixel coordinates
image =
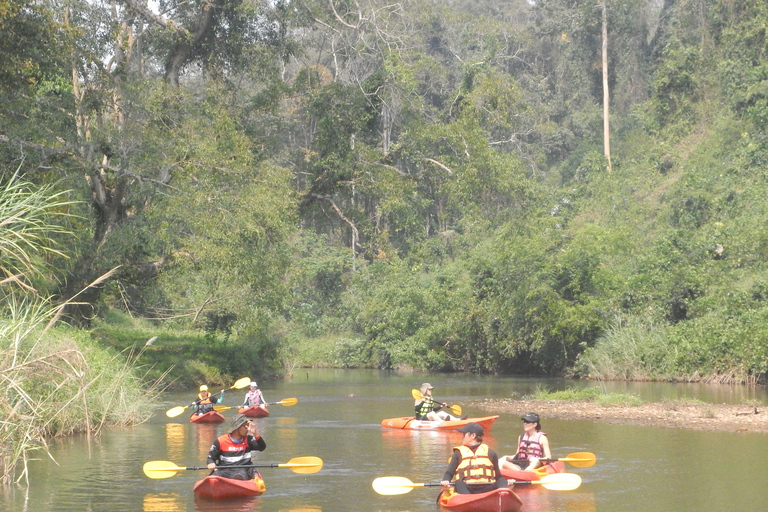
(589, 394)
(420, 185)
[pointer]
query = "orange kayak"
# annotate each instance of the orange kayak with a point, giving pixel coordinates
(535, 475)
(219, 488)
(409, 422)
(255, 411)
(209, 417)
(497, 500)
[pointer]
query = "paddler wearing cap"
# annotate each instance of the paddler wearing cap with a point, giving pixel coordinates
(532, 445)
(474, 467)
(428, 409)
(253, 396)
(234, 449)
(205, 400)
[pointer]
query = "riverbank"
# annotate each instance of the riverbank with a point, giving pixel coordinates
(672, 414)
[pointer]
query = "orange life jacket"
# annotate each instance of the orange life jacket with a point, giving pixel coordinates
(475, 467)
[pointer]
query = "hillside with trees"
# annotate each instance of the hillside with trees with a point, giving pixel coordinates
(410, 184)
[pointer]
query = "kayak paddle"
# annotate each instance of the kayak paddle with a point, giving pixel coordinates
(176, 411)
(159, 469)
(577, 459)
(555, 482)
(285, 401)
(455, 409)
(392, 485)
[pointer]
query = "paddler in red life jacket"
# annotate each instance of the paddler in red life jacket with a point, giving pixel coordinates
(234, 449)
(532, 445)
(205, 401)
(428, 409)
(474, 467)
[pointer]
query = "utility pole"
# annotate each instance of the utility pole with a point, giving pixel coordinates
(606, 95)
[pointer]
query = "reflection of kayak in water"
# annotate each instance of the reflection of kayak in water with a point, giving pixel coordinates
(255, 411)
(533, 475)
(497, 500)
(209, 417)
(219, 488)
(164, 502)
(409, 422)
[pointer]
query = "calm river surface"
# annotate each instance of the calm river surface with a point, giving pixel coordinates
(638, 468)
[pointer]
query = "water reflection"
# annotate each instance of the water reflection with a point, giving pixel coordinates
(164, 502)
(542, 500)
(232, 505)
(175, 440)
(205, 435)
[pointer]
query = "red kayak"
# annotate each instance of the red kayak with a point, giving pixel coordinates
(534, 475)
(219, 488)
(497, 500)
(255, 411)
(409, 422)
(209, 417)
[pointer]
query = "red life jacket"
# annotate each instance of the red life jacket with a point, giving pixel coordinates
(233, 453)
(530, 447)
(475, 467)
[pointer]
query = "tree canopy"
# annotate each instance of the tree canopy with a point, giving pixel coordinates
(422, 179)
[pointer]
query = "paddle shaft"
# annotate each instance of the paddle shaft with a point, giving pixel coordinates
(577, 459)
(418, 395)
(196, 468)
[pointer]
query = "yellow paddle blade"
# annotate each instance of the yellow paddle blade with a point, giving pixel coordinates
(392, 485)
(221, 408)
(456, 410)
(287, 402)
(416, 394)
(560, 482)
(304, 465)
(580, 459)
(172, 413)
(159, 469)
(241, 383)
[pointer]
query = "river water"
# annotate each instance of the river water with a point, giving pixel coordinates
(338, 418)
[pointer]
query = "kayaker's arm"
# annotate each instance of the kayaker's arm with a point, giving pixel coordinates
(257, 444)
(213, 455)
(451, 470)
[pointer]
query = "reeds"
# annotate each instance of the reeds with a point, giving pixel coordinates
(54, 381)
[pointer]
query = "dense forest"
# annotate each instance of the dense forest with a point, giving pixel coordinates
(388, 184)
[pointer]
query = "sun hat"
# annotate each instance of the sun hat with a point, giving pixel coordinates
(425, 387)
(254, 385)
(238, 421)
(203, 388)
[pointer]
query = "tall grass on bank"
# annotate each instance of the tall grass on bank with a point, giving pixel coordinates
(698, 350)
(54, 381)
(59, 382)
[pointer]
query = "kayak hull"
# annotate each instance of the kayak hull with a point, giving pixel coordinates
(209, 417)
(255, 411)
(219, 488)
(411, 423)
(535, 475)
(497, 500)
